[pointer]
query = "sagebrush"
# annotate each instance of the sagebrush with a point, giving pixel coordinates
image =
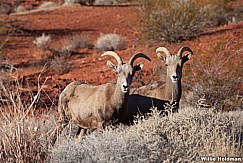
(43, 42)
(107, 2)
(47, 5)
(178, 137)
(110, 42)
(81, 2)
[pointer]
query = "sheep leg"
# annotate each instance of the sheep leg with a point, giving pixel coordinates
(57, 131)
(82, 132)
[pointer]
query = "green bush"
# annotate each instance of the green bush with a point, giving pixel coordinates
(178, 20)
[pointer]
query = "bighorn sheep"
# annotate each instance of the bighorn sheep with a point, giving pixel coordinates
(92, 107)
(158, 94)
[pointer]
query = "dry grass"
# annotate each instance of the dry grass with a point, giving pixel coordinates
(23, 136)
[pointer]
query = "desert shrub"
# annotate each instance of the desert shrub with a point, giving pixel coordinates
(46, 5)
(60, 55)
(60, 65)
(20, 9)
(179, 137)
(5, 30)
(74, 42)
(71, 44)
(2, 40)
(110, 42)
(5, 65)
(81, 2)
(43, 42)
(5, 7)
(112, 145)
(70, 2)
(217, 76)
(234, 12)
(194, 132)
(107, 2)
(178, 20)
(23, 137)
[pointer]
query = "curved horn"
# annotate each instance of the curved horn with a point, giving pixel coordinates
(183, 49)
(138, 55)
(163, 49)
(113, 54)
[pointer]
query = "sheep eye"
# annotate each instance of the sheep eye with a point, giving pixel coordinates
(166, 65)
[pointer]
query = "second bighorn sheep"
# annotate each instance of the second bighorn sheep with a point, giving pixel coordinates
(92, 107)
(159, 94)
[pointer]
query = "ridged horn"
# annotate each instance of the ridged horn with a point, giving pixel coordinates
(138, 55)
(183, 49)
(113, 54)
(163, 49)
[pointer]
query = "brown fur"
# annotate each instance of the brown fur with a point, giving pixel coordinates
(157, 94)
(91, 107)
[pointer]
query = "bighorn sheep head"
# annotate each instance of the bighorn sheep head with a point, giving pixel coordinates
(125, 71)
(174, 63)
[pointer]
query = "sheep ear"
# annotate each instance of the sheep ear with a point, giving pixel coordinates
(111, 65)
(161, 57)
(138, 66)
(186, 57)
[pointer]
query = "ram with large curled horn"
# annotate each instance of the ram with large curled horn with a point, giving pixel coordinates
(160, 94)
(91, 107)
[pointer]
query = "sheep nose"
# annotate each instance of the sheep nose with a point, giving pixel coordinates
(125, 86)
(175, 77)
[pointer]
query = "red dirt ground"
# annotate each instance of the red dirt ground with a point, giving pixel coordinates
(86, 64)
